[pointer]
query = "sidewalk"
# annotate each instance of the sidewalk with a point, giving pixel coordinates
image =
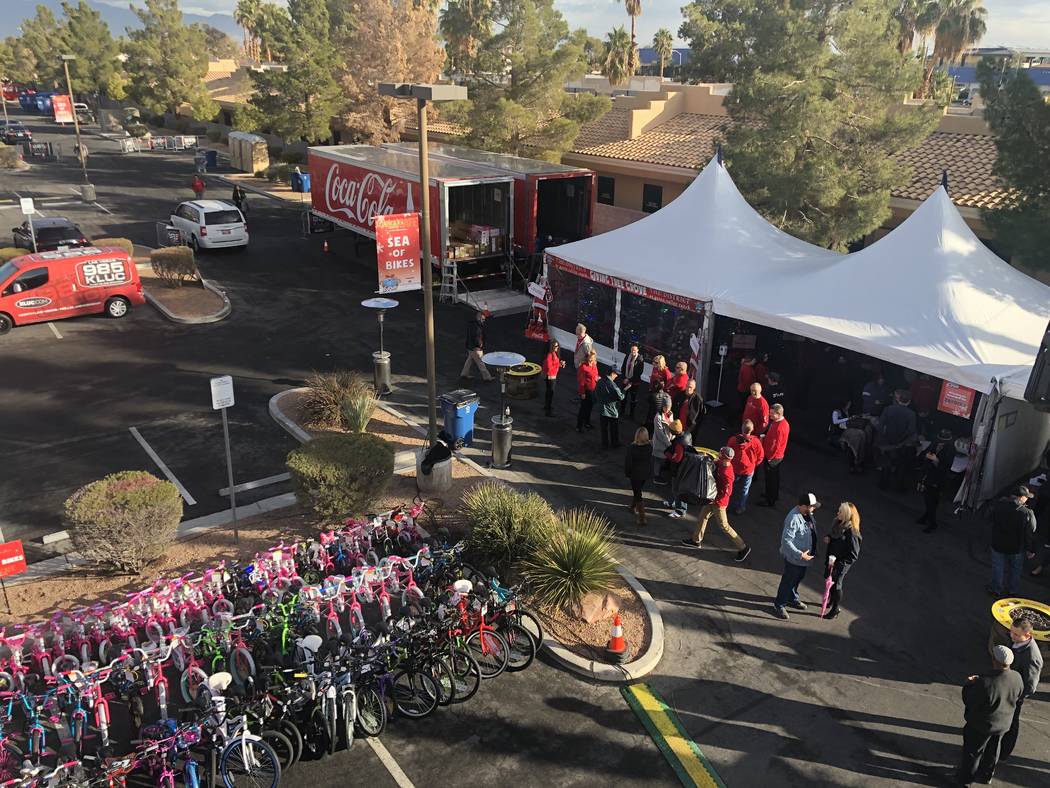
(281, 192)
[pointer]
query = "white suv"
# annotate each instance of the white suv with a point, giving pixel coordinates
(210, 224)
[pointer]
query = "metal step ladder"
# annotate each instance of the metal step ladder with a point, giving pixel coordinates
(448, 293)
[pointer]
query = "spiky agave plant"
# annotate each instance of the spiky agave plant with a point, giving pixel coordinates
(578, 558)
(505, 526)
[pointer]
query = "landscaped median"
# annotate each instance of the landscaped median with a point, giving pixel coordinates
(174, 286)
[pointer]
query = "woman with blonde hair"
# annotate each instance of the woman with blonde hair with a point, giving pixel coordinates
(637, 467)
(843, 549)
(660, 372)
(586, 380)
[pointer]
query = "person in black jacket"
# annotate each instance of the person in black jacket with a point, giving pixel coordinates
(1013, 530)
(990, 700)
(637, 467)
(476, 347)
(933, 477)
(1028, 662)
(843, 549)
(688, 406)
(631, 370)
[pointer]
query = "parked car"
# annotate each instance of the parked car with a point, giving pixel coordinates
(51, 234)
(14, 132)
(83, 113)
(52, 285)
(210, 224)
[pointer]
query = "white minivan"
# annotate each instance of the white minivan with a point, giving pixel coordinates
(210, 224)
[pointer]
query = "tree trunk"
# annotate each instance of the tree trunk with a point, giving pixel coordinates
(661, 67)
(631, 65)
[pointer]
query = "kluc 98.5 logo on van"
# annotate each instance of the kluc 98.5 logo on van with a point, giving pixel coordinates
(102, 273)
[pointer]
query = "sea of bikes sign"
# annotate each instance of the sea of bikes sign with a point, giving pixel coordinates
(12, 559)
(397, 252)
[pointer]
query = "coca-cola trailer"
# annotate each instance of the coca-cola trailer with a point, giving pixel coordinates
(471, 207)
(553, 203)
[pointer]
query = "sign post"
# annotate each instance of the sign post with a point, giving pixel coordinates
(12, 562)
(222, 399)
(28, 209)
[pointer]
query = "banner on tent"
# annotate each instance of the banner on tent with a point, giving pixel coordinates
(956, 400)
(671, 299)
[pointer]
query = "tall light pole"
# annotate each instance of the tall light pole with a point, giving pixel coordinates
(76, 122)
(423, 94)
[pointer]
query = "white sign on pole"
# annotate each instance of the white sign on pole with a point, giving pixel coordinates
(28, 209)
(537, 290)
(222, 392)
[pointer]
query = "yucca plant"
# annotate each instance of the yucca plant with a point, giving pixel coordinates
(506, 526)
(358, 407)
(578, 558)
(326, 393)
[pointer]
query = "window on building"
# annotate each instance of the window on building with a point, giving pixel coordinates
(606, 190)
(652, 198)
(579, 300)
(656, 328)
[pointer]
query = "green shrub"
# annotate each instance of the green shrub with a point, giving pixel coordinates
(578, 558)
(341, 475)
(357, 408)
(293, 157)
(326, 394)
(8, 157)
(124, 244)
(506, 526)
(260, 173)
(136, 130)
(174, 265)
(125, 521)
(199, 131)
(214, 136)
(10, 253)
(182, 125)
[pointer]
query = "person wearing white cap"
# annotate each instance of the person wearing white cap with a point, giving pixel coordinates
(990, 700)
(798, 546)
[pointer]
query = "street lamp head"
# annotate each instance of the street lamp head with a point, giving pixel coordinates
(424, 92)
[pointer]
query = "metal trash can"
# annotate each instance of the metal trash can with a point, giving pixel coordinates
(381, 370)
(87, 192)
(502, 440)
(457, 409)
(211, 157)
(522, 380)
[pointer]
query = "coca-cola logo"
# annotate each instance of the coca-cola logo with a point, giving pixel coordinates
(361, 201)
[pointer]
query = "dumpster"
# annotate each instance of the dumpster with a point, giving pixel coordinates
(305, 182)
(212, 159)
(457, 408)
(296, 179)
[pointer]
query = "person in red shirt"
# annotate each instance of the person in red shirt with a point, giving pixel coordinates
(744, 379)
(552, 365)
(761, 370)
(756, 409)
(748, 455)
(198, 186)
(724, 484)
(774, 444)
(586, 380)
(660, 372)
(679, 379)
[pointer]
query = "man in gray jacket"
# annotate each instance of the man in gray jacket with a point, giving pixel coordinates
(798, 546)
(1028, 662)
(990, 700)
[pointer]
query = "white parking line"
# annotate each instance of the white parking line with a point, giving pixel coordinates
(189, 499)
(391, 765)
(54, 330)
(265, 482)
(102, 208)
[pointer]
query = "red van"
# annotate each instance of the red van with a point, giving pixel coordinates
(36, 288)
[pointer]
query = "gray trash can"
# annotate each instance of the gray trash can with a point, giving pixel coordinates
(502, 440)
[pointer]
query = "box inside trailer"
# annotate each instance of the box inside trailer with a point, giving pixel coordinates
(479, 220)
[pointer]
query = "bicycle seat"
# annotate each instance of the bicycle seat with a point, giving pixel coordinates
(311, 643)
(220, 682)
(462, 587)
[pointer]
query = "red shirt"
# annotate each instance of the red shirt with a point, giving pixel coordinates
(723, 482)
(757, 409)
(678, 383)
(662, 375)
(551, 365)
(748, 455)
(761, 374)
(587, 378)
(775, 441)
(745, 378)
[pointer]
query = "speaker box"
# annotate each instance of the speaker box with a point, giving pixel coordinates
(1038, 390)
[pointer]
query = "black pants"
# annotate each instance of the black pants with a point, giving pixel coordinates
(610, 431)
(583, 415)
(1009, 740)
(980, 755)
(838, 574)
(772, 481)
(548, 397)
(636, 488)
(631, 397)
(931, 497)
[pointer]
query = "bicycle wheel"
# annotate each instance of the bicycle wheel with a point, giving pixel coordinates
(315, 734)
(521, 648)
(491, 652)
(531, 624)
(346, 729)
(331, 720)
(371, 712)
(445, 681)
(466, 672)
(191, 679)
(7, 682)
(281, 745)
(247, 762)
(136, 712)
(242, 665)
(10, 761)
(295, 736)
(415, 694)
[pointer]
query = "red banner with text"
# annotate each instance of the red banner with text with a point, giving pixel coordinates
(671, 299)
(63, 107)
(956, 400)
(397, 252)
(12, 559)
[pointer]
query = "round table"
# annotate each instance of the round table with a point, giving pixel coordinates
(1002, 608)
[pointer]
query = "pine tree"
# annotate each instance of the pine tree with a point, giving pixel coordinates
(96, 69)
(42, 36)
(724, 38)
(17, 62)
(818, 117)
(167, 61)
(516, 78)
(1020, 118)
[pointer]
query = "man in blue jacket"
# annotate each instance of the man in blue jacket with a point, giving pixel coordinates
(798, 546)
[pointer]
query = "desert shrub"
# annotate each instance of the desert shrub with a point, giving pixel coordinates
(136, 130)
(358, 406)
(579, 557)
(182, 125)
(293, 157)
(277, 173)
(199, 131)
(125, 521)
(214, 135)
(8, 157)
(174, 265)
(340, 475)
(326, 394)
(506, 526)
(260, 173)
(124, 244)
(10, 253)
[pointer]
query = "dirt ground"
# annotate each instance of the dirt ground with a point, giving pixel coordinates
(190, 300)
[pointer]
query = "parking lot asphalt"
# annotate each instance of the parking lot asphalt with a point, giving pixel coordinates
(871, 699)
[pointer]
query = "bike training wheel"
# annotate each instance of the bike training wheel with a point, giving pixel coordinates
(466, 673)
(242, 665)
(10, 761)
(7, 682)
(521, 648)
(295, 736)
(247, 762)
(281, 745)
(491, 654)
(371, 712)
(346, 727)
(191, 679)
(415, 694)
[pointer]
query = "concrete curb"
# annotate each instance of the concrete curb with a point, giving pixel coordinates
(222, 314)
(604, 671)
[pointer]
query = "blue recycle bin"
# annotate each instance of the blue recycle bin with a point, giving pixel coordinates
(211, 159)
(457, 409)
(305, 180)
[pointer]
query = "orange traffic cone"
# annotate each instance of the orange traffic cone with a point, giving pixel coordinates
(325, 247)
(617, 648)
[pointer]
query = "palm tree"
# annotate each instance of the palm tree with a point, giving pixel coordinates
(247, 14)
(663, 45)
(618, 57)
(634, 10)
(961, 25)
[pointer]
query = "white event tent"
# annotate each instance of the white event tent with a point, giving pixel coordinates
(928, 296)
